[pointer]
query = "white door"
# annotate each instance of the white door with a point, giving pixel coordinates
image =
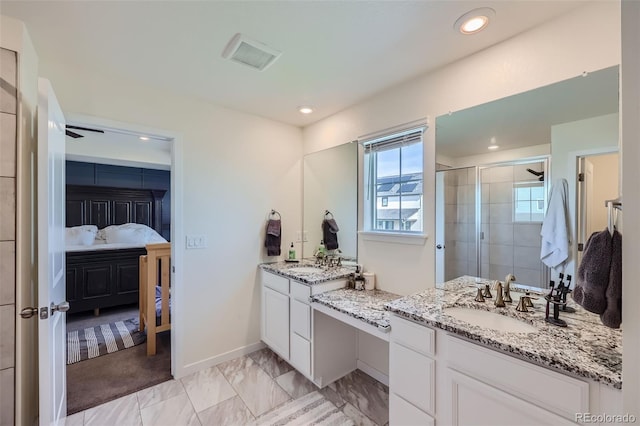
(51, 257)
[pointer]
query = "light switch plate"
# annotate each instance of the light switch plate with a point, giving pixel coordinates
(196, 242)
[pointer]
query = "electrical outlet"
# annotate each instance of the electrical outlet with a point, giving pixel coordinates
(196, 242)
(298, 237)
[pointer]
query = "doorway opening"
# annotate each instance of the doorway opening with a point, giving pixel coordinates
(121, 181)
(598, 182)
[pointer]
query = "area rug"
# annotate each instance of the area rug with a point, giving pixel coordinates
(104, 339)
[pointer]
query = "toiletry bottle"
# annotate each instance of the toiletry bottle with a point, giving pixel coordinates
(292, 252)
(322, 248)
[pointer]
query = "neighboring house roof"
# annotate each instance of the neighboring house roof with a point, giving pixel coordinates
(391, 186)
(393, 214)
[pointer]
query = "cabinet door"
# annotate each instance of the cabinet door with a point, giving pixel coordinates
(475, 403)
(275, 321)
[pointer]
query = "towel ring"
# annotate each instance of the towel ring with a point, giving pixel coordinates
(328, 213)
(275, 213)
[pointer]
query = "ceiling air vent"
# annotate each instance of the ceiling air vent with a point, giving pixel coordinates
(250, 52)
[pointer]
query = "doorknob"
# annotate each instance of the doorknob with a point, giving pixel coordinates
(439, 246)
(60, 307)
(28, 312)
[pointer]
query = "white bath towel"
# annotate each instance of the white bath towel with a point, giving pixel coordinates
(556, 236)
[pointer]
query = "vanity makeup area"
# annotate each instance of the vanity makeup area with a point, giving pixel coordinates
(448, 358)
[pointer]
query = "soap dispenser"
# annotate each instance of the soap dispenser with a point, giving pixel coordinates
(292, 252)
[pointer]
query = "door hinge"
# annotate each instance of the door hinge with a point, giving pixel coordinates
(580, 177)
(580, 247)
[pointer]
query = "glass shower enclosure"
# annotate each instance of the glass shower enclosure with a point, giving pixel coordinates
(488, 221)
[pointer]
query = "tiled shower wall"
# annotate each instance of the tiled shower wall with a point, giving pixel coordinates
(509, 246)
(460, 218)
(8, 123)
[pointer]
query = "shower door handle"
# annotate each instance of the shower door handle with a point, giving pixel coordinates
(439, 246)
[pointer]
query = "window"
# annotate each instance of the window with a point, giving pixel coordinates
(528, 202)
(393, 182)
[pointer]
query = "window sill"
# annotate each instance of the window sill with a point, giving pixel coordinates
(394, 237)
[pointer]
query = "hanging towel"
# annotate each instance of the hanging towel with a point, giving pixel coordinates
(273, 238)
(612, 315)
(330, 234)
(555, 233)
(594, 272)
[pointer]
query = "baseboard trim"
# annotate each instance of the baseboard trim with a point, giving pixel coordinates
(376, 374)
(215, 360)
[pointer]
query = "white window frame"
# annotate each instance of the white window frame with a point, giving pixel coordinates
(368, 231)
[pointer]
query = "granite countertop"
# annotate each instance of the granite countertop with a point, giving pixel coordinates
(323, 274)
(585, 348)
(365, 305)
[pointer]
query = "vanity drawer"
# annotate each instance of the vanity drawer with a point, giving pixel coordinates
(276, 282)
(403, 413)
(300, 292)
(414, 336)
(301, 354)
(412, 376)
(301, 319)
(553, 391)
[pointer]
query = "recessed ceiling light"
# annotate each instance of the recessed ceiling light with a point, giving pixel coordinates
(493, 147)
(305, 109)
(474, 21)
(144, 138)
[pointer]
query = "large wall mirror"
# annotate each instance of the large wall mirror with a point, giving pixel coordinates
(331, 184)
(495, 163)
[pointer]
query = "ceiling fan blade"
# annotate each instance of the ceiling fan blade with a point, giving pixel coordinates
(86, 129)
(73, 134)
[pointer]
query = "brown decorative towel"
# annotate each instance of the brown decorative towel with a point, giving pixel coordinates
(593, 273)
(612, 315)
(330, 234)
(273, 238)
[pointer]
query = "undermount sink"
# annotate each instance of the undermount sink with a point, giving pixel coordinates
(304, 270)
(490, 320)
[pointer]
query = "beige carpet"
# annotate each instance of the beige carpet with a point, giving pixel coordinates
(102, 379)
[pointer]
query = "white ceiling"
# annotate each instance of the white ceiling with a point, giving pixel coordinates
(335, 53)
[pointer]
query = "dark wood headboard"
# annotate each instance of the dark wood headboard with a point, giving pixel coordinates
(104, 206)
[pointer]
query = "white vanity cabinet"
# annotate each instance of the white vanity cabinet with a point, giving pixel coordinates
(436, 377)
(287, 320)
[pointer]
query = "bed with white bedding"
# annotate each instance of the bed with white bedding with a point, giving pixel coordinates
(107, 230)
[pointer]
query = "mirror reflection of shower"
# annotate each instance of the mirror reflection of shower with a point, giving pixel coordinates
(490, 221)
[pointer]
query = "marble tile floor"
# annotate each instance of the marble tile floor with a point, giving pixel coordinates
(257, 389)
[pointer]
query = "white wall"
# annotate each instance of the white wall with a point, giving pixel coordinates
(556, 51)
(569, 140)
(236, 167)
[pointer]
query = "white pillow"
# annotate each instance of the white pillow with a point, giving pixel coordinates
(132, 233)
(81, 235)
